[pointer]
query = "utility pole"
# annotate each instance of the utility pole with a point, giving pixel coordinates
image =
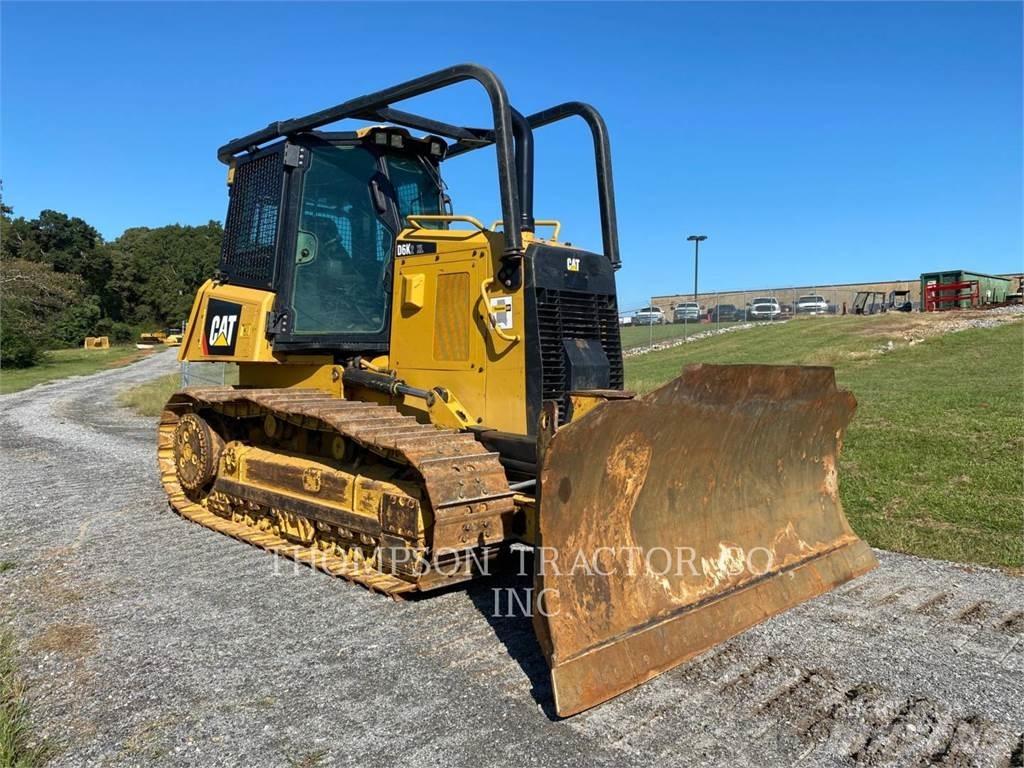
(697, 240)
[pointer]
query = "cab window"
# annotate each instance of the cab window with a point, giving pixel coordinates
(416, 186)
(343, 247)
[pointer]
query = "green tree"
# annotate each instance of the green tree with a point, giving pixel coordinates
(67, 243)
(33, 299)
(156, 272)
(14, 233)
(62, 282)
(68, 246)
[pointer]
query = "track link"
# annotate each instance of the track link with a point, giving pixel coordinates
(464, 484)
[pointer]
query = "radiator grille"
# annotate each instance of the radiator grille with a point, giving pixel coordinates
(452, 317)
(575, 315)
(250, 235)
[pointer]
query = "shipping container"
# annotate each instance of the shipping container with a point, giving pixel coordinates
(992, 289)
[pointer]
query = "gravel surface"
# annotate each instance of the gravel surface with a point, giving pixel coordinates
(938, 323)
(149, 640)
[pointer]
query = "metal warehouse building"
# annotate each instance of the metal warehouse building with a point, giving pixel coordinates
(834, 294)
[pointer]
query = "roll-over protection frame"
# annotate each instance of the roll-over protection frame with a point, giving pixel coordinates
(511, 135)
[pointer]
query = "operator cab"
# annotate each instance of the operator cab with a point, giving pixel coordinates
(313, 226)
(314, 219)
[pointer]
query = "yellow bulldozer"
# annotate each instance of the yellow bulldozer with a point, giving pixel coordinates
(171, 337)
(419, 392)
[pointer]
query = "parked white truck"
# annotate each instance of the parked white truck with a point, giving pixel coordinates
(812, 304)
(649, 316)
(764, 308)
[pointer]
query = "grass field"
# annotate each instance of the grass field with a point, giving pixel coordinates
(641, 335)
(148, 399)
(61, 363)
(932, 463)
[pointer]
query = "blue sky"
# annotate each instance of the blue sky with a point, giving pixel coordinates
(812, 143)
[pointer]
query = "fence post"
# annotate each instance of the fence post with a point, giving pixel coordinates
(650, 326)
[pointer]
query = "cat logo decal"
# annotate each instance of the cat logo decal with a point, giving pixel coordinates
(221, 329)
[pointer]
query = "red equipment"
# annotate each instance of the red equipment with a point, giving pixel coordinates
(939, 297)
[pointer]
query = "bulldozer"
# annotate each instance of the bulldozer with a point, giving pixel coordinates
(419, 393)
(170, 337)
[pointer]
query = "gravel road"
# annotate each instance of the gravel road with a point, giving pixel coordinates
(149, 640)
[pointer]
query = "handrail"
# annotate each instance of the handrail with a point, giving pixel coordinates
(555, 223)
(415, 218)
(499, 332)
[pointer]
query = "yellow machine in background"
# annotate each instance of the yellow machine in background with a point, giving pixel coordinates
(168, 338)
(152, 337)
(417, 391)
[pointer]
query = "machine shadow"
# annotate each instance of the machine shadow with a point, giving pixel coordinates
(504, 601)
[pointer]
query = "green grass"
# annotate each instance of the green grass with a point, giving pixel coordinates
(17, 749)
(642, 335)
(932, 463)
(148, 399)
(61, 363)
(807, 341)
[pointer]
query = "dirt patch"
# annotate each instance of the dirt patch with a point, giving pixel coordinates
(51, 587)
(892, 507)
(75, 640)
(52, 590)
(122, 361)
(934, 524)
(908, 330)
(940, 323)
(150, 739)
(892, 325)
(1012, 624)
(976, 613)
(935, 605)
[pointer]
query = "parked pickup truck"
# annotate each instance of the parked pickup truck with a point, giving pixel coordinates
(811, 305)
(764, 308)
(687, 312)
(649, 316)
(725, 313)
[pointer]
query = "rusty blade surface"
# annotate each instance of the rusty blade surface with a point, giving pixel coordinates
(672, 522)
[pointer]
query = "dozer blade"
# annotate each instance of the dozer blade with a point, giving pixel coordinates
(672, 522)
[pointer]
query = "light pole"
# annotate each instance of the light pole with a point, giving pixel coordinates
(697, 240)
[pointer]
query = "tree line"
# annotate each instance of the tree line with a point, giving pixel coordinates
(60, 281)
